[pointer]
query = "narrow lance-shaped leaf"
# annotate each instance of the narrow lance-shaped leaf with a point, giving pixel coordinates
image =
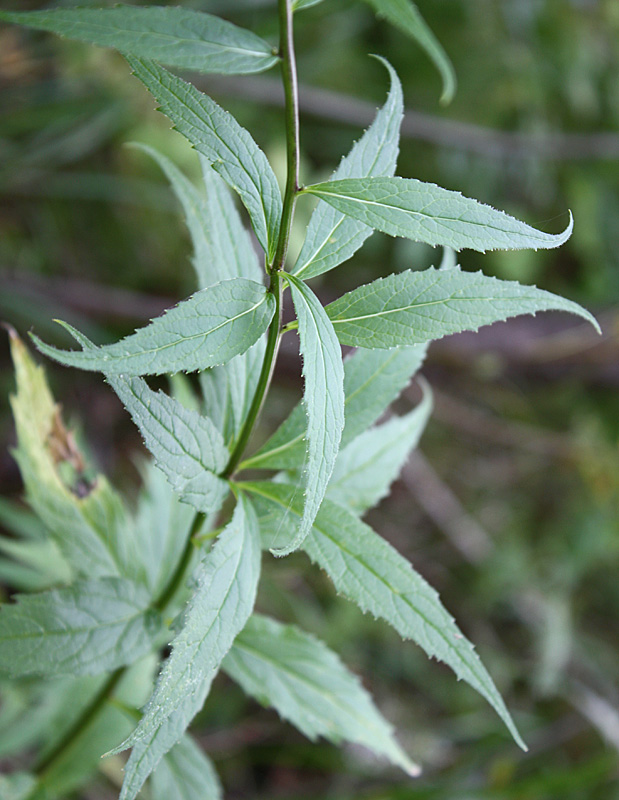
(365, 469)
(147, 754)
(221, 246)
(284, 667)
(186, 773)
(404, 14)
(227, 581)
(85, 517)
(427, 213)
(228, 147)
(370, 572)
(209, 328)
(372, 381)
(299, 5)
(187, 447)
(323, 398)
(414, 307)
(332, 236)
(175, 36)
(88, 628)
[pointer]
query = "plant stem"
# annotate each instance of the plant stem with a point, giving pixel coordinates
(170, 589)
(81, 723)
(291, 94)
(289, 78)
(107, 689)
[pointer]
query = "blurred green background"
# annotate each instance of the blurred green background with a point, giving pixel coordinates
(511, 512)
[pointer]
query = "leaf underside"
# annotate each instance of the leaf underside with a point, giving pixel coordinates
(369, 572)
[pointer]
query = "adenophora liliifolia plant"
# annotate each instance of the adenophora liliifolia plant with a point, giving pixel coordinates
(117, 579)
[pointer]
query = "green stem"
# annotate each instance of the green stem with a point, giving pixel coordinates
(170, 589)
(289, 77)
(264, 381)
(291, 93)
(80, 724)
(107, 689)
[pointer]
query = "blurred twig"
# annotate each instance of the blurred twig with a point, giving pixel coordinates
(338, 107)
(445, 510)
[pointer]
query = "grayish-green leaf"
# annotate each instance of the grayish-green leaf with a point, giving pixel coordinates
(88, 628)
(372, 381)
(187, 447)
(162, 525)
(17, 786)
(222, 247)
(405, 15)
(76, 765)
(231, 243)
(186, 773)
(175, 36)
(228, 390)
(332, 236)
(367, 467)
(323, 398)
(284, 667)
(42, 556)
(427, 213)
(147, 754)
(228, 147)
(299, 5)
(227, 580)
(86, 518)
(415, 307)
(209, 328)
(370, 572)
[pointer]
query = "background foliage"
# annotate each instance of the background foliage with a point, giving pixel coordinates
(511, 512)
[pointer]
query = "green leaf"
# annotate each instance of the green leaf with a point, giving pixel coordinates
(367, 467)
(209, 328)
(147, 754)
(415, 307)
(284, 667)
(77, 764)
(372, 381)
(222, 247)
(405, 15)
(187, 447)
(175, 36)
(299, 5)
(323, 398)
(17, 786)
(228, 390)
(43, 557)
(367, 570)
(332, 237)
(85, 516)
(162, 526)
(228, 147)
(226, 581)
(427, 213)
(186, 773)
(88, 628)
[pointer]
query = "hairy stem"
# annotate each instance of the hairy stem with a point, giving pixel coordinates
(289, 78)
